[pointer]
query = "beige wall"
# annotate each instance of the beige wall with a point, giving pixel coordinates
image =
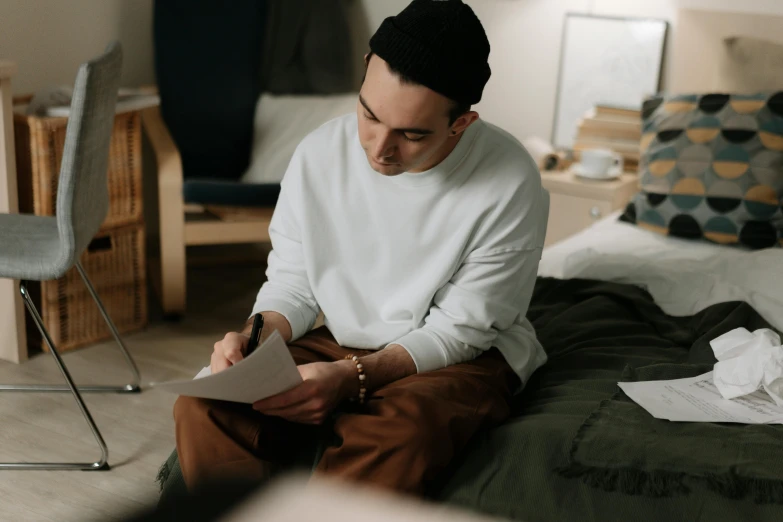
(525, 37)
(50, 38)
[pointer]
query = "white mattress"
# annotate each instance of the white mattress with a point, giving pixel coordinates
(683, 277)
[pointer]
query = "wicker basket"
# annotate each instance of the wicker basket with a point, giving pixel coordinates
(114, 261)
(39, 149)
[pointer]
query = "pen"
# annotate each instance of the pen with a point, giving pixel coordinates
(255, 334)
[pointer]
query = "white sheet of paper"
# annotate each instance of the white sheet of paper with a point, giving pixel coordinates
(748, 362)
(696, 399)
(267, 371)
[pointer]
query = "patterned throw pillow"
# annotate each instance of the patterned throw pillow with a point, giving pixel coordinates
(712, 167)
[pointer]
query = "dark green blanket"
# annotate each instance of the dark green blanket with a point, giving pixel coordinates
(621, 447)
(592, 331)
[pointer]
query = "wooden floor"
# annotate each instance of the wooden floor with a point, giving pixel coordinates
(138, 428)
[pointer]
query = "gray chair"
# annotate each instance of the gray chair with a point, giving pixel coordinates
(44, 248)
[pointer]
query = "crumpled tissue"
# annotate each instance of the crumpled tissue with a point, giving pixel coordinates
(748, 361)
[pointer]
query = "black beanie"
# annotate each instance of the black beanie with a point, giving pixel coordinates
(440, 44)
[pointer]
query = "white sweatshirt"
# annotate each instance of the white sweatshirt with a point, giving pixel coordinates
(442, 262)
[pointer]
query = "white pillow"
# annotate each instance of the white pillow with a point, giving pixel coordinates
(281, 122)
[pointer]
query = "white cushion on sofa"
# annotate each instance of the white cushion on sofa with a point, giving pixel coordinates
(281, 122)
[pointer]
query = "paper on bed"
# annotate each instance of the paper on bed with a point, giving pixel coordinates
(696, 399)
(269, 370)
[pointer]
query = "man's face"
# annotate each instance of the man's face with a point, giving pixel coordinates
(402, 127)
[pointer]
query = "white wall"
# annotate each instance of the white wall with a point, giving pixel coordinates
(48, 39)
(525, 37)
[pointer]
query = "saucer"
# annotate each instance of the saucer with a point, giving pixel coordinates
(576, 168)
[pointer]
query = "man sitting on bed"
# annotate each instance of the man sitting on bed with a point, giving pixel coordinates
(417, 229)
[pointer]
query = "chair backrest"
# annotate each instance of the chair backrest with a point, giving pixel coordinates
(83, 193)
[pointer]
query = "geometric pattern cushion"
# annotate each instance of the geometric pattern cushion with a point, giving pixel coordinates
(711, 167)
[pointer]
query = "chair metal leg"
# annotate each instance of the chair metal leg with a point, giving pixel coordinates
(89, 466)
(133, 387)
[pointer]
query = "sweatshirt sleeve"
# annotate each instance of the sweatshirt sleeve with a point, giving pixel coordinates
(486, 295)
(287, 288)
(490, 290)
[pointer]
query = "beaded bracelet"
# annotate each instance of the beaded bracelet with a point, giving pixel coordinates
(362, 378)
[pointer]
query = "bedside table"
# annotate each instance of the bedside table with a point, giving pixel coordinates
(576, 203)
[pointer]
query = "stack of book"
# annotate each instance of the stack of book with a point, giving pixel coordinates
(615, 128)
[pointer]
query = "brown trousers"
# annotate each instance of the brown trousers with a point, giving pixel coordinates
(406, 433)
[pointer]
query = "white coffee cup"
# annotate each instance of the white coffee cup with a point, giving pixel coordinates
(600, 164)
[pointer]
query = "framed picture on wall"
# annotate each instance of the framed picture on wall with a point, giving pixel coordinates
(605, 60)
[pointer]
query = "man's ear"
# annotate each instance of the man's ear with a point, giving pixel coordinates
(463, 122)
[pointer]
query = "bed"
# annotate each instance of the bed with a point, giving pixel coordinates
(617, 302)
(601, 306)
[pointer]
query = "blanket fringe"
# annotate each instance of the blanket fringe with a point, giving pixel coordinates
(631, 481)
(763, 491)
(163, 475)
(628, 480)
(659, 484)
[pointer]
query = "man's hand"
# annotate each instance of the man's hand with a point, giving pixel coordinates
(229, 351)
(326, 384)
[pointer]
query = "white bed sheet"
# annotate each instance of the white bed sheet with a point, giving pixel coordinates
(683, 277)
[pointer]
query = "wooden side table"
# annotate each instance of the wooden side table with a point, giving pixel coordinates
(13, 339)
(576, 203)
